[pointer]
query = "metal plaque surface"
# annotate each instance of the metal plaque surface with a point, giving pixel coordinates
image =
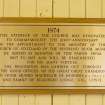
(49, 55)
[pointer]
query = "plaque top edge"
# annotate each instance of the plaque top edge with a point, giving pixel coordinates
(50, 20)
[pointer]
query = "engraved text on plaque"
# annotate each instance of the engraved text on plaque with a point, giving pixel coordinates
(52, 55)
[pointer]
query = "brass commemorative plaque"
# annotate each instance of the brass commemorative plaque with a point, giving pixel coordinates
(52, 55)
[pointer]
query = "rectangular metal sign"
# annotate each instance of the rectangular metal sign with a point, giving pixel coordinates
(52, 56)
